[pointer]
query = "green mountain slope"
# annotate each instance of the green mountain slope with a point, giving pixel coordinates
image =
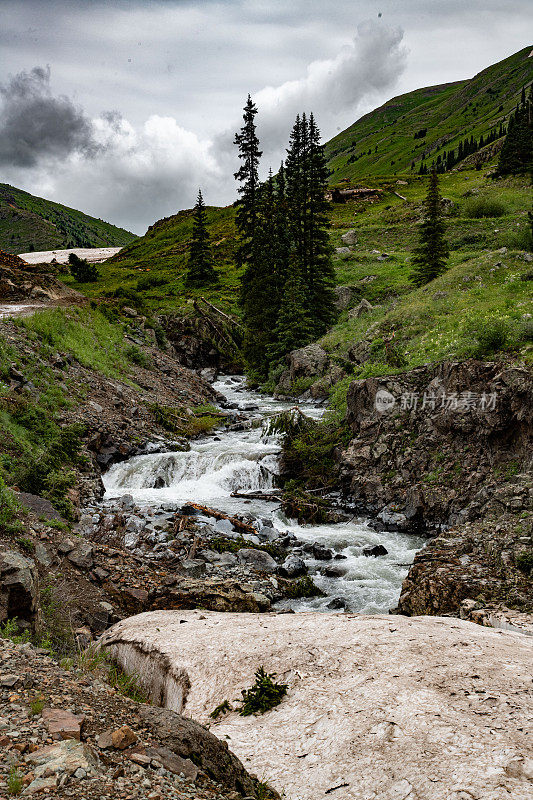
(383, 142)
(152, 268)
(32, 223)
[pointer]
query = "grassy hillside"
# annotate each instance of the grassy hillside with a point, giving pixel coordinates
(487, 276)
(481, 306)
(150, 271)
(32, 223)
(383, 142)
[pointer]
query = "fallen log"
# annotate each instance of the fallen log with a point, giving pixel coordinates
(235, 521)
(222, 314)
(274, 498)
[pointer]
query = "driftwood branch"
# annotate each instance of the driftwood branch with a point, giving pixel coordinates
(237, 523)
(273, 498)
(214, 326)
(222, 313)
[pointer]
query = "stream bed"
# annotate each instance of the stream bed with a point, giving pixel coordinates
(246, 460)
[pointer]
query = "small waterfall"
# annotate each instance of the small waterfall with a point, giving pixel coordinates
(217, 466)
(210, 470)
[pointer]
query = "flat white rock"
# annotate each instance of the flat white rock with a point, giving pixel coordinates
(378, 708)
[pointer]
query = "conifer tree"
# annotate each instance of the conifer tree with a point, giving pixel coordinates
(319, 266)
(294, 327)
(200, 269)
(261, 301)
(430, 257)
(306, 177)
(516, 155)
(248, 177)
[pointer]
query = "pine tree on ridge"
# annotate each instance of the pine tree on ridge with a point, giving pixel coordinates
(200, 270)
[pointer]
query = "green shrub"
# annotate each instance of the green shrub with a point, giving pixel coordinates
(15, 784)
(9, 506)
(304, 587)
(524, 562)
(222, 708)
(150, 282)
(263, 695)
(81, 270)
(137, 356)
(487, 336)
(479, 207)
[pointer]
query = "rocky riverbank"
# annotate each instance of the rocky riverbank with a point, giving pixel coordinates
(445, 450)
(68, 733)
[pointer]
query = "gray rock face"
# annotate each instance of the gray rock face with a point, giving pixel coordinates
(308, 361)
(293, 567)
(257, 559)
(18, 586)
(363, 308)
(82, 555)
(343, 297)
(193, 567)
(343, 252)
(223, 526)
(393, 520)
(189, 740)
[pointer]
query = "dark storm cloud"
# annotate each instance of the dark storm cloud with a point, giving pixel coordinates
(35, 124)
(178, 71)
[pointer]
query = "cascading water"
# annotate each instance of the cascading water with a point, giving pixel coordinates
(245, 460)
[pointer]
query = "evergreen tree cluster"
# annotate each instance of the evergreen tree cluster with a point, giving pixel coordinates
(449, 158)
(287, 283)
(516, 157)
(81, 270)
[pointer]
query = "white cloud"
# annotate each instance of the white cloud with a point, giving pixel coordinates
(138, 174)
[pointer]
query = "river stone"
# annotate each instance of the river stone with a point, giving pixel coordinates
(257, 559)
(386, 707)
(223, 526)
(293, 567)
(376, 550)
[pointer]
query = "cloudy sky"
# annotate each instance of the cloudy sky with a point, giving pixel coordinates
(122, 108)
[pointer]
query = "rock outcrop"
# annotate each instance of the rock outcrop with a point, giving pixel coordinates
(386, 707)
(19, 586)
(449, 445)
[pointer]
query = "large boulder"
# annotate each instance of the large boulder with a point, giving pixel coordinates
(343, 297)
(191, 741)
(257, 559)
(19, 587)
(384, 707)
(307, 361)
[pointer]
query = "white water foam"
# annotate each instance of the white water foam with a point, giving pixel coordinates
(245, 460)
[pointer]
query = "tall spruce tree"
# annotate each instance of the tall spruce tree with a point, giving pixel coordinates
(248, 177)
(200, 270)
(319, 266)
(261, 300)
(294, 327)
(306, 178)
(516, 156)
(430, 257)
